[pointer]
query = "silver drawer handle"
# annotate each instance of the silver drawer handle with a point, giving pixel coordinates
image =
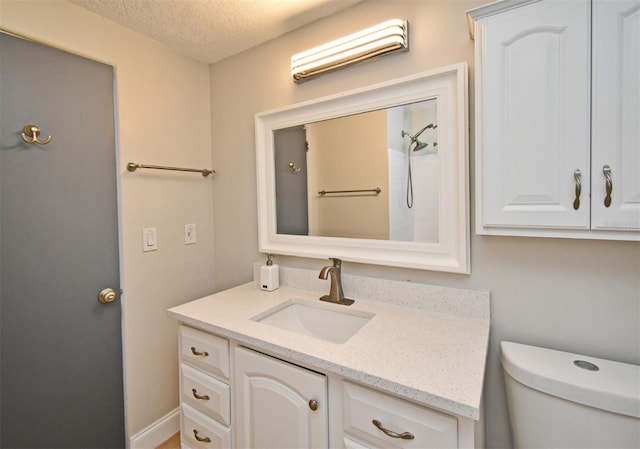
(203, 353)
(577, 176)
(608, 183)
(391, 433)
(203, 397)
(202, 440)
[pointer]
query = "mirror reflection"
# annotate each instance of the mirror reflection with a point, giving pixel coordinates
(373, 175)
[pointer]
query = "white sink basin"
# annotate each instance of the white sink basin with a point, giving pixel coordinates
(332, 325)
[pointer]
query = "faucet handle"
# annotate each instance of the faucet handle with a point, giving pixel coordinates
(337, 263)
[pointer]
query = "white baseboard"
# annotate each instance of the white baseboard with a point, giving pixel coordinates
(157, 433)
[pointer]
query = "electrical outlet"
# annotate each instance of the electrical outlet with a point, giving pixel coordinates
(189, 234)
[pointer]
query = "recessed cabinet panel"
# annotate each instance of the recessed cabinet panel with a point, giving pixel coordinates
(206, 393)
(394, 419)
(536, 116)
(206, 351)
(200, 431)
(278, 405)
(616, 115)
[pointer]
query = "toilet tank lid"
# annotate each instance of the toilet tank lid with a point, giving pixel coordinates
(614, 386)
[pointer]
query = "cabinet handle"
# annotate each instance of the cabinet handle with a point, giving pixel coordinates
(313, 405)
(608, 182)
(577, 176)
(201, 439)
(197, 396)
(391, 433)
(194, 352)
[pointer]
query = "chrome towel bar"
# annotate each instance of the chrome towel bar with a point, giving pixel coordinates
(327, 192)
(132, 166)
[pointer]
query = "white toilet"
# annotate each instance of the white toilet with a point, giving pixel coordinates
(562, 400)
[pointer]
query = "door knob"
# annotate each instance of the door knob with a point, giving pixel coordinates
(107, 296)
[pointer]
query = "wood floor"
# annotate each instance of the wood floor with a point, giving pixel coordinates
(171, 443)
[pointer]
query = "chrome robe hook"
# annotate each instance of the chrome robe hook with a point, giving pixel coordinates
(30, 135)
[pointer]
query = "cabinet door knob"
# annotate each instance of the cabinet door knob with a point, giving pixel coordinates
(203, 353)
(608, 183)
(391, 433)
(577, 176)
(201, 439)
(313, 405)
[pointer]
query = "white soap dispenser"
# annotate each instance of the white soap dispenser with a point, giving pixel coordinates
(269, 275)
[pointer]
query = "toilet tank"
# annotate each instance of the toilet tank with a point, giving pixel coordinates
(562, 400)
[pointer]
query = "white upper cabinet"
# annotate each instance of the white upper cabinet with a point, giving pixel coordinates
(557, 120)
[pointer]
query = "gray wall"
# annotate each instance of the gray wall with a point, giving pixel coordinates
(575, 295)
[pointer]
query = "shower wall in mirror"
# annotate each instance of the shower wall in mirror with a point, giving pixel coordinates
(394, 150)
(374, 175)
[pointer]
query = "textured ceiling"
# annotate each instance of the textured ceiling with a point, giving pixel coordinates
(211, 30)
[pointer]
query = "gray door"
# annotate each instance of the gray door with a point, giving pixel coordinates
(290, 146)
(61, 349)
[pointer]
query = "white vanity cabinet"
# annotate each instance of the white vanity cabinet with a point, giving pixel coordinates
(205, 394)
(263, 401)
(278, 405)
(557, 118)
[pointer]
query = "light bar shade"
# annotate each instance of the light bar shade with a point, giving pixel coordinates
(382, 39)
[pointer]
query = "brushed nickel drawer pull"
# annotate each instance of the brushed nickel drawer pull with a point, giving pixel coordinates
(608, 182)
(391, 433)
(201, 439)
(203, 353)
(577, 176)
(203, 397)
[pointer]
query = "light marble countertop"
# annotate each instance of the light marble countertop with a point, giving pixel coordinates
(431, 357)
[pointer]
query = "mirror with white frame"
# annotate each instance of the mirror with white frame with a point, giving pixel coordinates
(374, 175)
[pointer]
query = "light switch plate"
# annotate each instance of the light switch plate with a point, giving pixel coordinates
(190, 234)
(149, 239)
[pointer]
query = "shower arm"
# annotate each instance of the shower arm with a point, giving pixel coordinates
(416, 135)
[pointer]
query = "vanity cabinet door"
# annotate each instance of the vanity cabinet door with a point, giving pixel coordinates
(375, 420)
(278, 405)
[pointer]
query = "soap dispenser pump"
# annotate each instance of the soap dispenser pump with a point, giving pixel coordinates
(269, 275)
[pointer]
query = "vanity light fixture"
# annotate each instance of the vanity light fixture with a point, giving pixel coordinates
(379, 40)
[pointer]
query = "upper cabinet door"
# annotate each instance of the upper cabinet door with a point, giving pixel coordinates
(533, 81)
(616, 115)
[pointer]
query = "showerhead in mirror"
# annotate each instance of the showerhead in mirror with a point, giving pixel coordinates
(417, 146)
(414, 138)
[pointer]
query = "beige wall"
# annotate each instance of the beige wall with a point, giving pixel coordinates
(349, 154)
(163, 118)
(574, 295)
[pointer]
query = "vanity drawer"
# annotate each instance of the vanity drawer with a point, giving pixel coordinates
(207, 394)
(200, 431)
(431, 429)
(206, 351)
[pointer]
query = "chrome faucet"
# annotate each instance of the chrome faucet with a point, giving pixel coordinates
(335, 295)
